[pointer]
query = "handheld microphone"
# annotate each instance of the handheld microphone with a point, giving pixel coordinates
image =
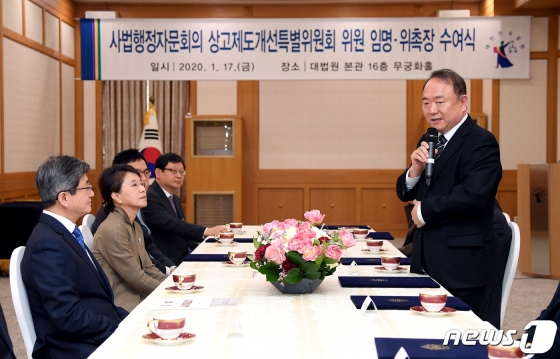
(431, 138)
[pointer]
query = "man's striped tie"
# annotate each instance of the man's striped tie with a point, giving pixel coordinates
(440, 145)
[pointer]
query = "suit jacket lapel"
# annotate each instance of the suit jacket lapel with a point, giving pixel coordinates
(452, 147)
(166, 202)
(73, 242)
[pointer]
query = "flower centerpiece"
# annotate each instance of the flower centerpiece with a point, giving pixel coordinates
(299, 253)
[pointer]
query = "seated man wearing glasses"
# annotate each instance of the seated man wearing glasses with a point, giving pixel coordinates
(164, 213)
(70, 298)
(134, 158)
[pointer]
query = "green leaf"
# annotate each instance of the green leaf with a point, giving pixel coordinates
(295, 258)
(271, 266)
(320, 259)
(312, 275)
(330, 260)
(253, 265)
(272, 276)
(256, 243)
(263, 270)
(310, 267)
(293, 276)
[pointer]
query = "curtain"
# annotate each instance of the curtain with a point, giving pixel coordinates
(124, 107)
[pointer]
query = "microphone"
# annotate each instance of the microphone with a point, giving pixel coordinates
(431, 138)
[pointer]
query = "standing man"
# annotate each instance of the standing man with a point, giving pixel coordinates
(69, 295)
(455, 241)
(134, 158)
(164, 214)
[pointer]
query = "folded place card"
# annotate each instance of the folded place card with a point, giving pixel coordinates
(367, 261)
(402, 302)
(387, 348)
(388, 282)
(238, 240)
(380, 235)
(206, 258)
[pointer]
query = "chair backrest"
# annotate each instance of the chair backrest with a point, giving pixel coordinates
(21, 303)
(88, 220)
(511, 267)
(88, 237)
(508, 219)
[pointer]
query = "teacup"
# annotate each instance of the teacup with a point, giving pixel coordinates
(225, 237)
(360, 233)
(433, 302)
(237, 257)
(184, 281)
(167, 325)
(374, 245)
(236, 227)
(503, 352)
(390, 262)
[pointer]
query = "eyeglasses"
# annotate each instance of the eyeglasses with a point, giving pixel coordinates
(176, 172)
(136, 184)
(88, 187)
(146, 173)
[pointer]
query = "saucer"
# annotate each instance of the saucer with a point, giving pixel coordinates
(230, 264)
(390, 271)
(240, 232)
(233, 243)
(194, 288)
(421, 310)
(367, 251)
(182, 338)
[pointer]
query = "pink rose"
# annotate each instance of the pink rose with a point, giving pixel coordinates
(290, 223)
(310, 253)
(272, 226)
(347, 238)
(333, 252)
(278, 242)
(314, 216)
(298, 242)
(275, 254)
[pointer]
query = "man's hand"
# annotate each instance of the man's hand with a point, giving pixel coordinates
(414, 213)
(172, 269)
(419, 159)
(214, 230)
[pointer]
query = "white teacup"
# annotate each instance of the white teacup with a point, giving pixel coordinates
(236, 227)
(184, 281)
(237, 257)
(374, 245)
(360, 233)
(225, 237)
(167, 325)
(433, 301)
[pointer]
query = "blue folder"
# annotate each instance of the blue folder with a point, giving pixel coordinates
(380, 235)
(387, 348)
(402, 302)
(368, 261)
(387, 282)
(206, 258)
(238, 240)
(338, 226)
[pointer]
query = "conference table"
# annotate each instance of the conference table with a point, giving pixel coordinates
(268, 324)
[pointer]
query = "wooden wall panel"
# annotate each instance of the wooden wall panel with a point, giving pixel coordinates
(381, 212)
(280, 204)
(337, 204)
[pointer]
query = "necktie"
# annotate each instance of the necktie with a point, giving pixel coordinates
(78, 234)
(440, 145)
(170, 198)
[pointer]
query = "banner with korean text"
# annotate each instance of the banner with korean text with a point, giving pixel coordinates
(304, 49)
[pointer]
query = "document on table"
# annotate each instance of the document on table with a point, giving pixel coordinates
(225, 301)
(182, 303)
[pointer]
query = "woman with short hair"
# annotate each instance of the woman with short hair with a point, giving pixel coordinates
(117, 244)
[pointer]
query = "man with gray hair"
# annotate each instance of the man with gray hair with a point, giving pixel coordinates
(69, 295)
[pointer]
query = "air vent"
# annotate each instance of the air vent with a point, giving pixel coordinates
(213, 138)
(212, 209)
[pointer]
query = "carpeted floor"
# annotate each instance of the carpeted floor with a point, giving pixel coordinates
(527, 298)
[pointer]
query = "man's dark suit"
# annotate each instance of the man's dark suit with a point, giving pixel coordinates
(552, 312)
(171, 233)
(457, 246)
(159, 259)
(71, 300)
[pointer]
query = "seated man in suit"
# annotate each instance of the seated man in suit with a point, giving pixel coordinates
(164, 214)
(552, 312)
(134, 158)
(71, 300)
